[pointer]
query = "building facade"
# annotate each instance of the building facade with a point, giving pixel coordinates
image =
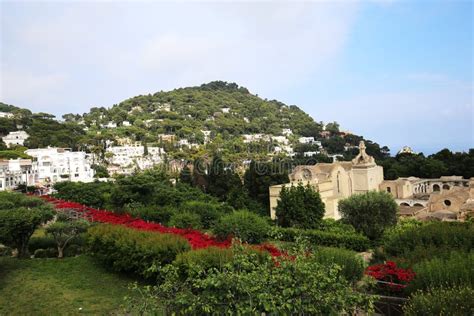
(15, 138)
(61, 164)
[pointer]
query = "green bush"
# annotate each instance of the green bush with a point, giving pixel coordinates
(438, 272)
(247, 226)
(456, 301)
(443, 235)
(43, 242)
(204, 259)
(332, 225)
(208, 212)
(352, 265)
(46, 253)
(185, 220)
(370, 213)
(5, 251)
(248, 285)
(129, 250)
(348, 240)
(160, 214)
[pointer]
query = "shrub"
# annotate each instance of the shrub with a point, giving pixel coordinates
(46, 253)
(248, 285)
(348, 240)
(332, 225)
(43, 242)
(19, 220)
(447, 272)
(5, 251)
(204, 259)
(208, 212)
(370, 213)
(129, 250)
(442, 235)
(352, 265)
(64, 232)
(246, 226)
(153, 214)
(185, 220)
(299, 206)
(457, 301)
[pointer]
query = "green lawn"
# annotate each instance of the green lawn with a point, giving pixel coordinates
(59, 287)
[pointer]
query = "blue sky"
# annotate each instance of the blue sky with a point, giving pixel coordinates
(397, 72)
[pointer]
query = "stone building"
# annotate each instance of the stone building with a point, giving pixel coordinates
(335, 181)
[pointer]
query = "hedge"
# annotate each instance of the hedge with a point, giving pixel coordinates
(441, 301)
(352, 265)
(348, 240)
(247, 226)
(443, 235)
(129, 250)
(457, 269)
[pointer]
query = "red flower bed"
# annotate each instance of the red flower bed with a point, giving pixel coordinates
(196, 238)
(390, 275)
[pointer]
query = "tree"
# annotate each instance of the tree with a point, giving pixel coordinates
(370, 213)
(222, 179)
(299, 206)
(20, 216)
(185, 176)
(65, 231)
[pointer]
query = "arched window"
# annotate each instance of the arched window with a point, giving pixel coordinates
(447, 202)
(445, 187)
(404, 204)
(436, 188)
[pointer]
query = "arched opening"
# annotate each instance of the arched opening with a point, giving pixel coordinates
(446, 187)
(404, 204)
(389, 189)
(447, 202)
(417, 204)
(436, 188)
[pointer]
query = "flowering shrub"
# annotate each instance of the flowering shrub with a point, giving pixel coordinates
(390, 276)
(196, 238)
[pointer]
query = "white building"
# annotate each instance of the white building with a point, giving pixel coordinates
(248, 138)
(306, 140)
(207, 136)
(61, 164)
(126, 123)
(126, 156)
(183, 142)
(225, 110)
(14, 172)
(280, 140)
(6, 115)
(286, 131)
(406, 150)
(310, 153)
(15, 138)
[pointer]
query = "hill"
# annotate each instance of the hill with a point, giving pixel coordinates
(206, 118)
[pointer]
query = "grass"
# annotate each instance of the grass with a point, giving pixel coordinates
(70, 286)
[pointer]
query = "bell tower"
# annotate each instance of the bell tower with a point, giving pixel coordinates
(366, 174)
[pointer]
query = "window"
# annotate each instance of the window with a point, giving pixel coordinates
(389, 189)
(447, 202)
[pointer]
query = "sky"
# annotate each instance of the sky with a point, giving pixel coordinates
(397, 72)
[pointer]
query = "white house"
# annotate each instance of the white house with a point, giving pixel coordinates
(125, 156)
(310, 153)
(61, 164)
(183, 142)
(14, 172)
(126, 123)
(15, 138)
(306, 140)
(286, 131)
(225, 110)
(280, 139)
(6, 115)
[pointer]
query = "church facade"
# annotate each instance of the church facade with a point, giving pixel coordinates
(335, 181)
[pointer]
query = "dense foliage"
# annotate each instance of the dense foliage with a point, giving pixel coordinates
(341, 239)
(130, 250)
(456, 301)
(370, 213)
(250, 285)
(244, 225)
(351, 264)
(64, 231)
(434, 237)
(299, 206)
(457, 269)
(20, 216)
